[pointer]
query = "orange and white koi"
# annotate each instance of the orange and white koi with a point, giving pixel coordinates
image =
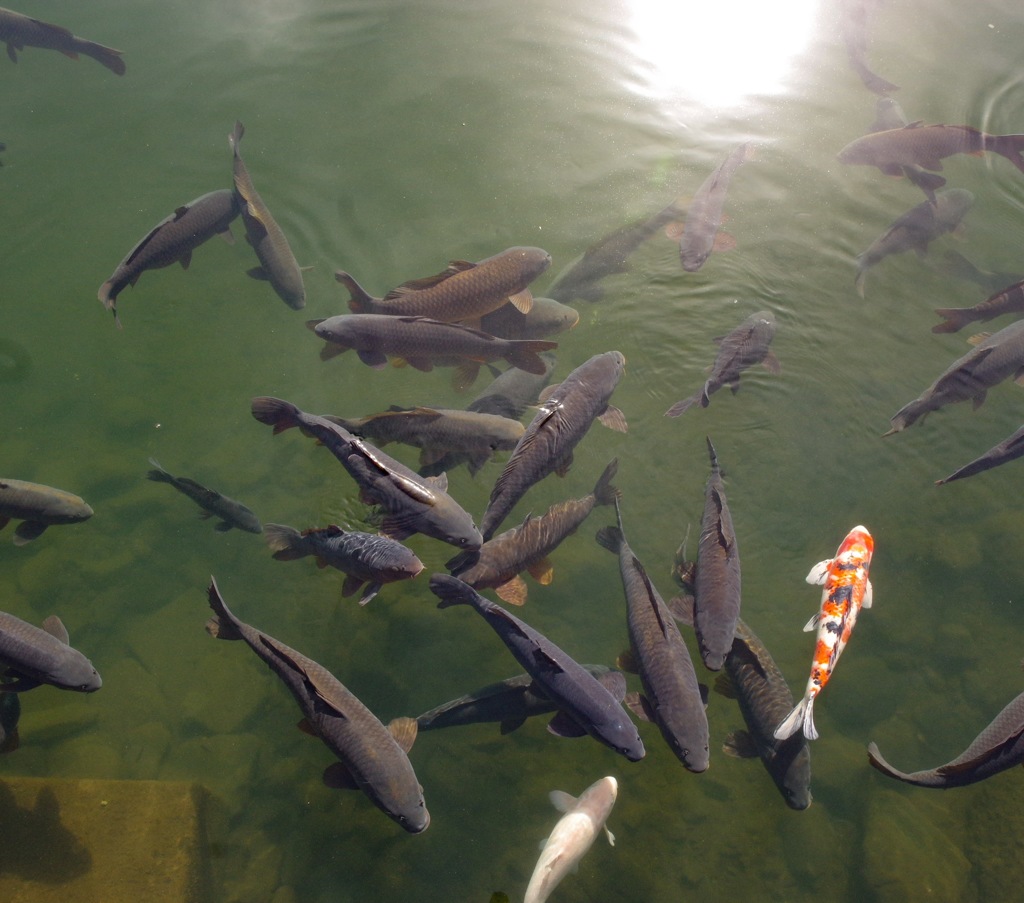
(847, 590)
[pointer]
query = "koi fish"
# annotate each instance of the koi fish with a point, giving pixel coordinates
(847, 590)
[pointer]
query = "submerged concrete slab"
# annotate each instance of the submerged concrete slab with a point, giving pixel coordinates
(93, 841)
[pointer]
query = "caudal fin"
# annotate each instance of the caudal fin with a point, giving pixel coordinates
(604, 492)
(956, 318)
(801, 718)
(1008, 146)
(281, 415)
(451, 591)
(360, 301)
(223, 624)
(105, 56)
(285, 542)
(525, 355)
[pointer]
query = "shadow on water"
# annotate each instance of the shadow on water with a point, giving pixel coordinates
(45, 850)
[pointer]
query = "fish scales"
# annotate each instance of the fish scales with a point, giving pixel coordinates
(546, 317)
(673, 694)
(588, 704)
(365, 747)
(765, 699)
(998, 747)
(563, 420)
(463, 291)
(42, 655)
(717, 590)
(38, 506)
(927, 146)
(18, 31)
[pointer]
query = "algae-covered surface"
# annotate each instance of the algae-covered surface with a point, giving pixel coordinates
(388, 139)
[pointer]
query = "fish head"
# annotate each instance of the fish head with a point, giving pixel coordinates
(78, 675)
(461, 533)
(531, 261)
(791, 771)
(414, 818)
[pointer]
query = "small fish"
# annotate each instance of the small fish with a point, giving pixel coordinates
(464, 291)
(411, 503)
(566, 413)
(854, 23)
(889, 115)
(765, 699)
(424, 343)
(362, 557)
(509, 702)
(847, 590)
(926, 146)
(441, 434)
(172, 240)
(38, 507)
(512, 392)
(1008, 300)
(745, 346)
(1009, 449)
(672, 697)
(994, 358)
(10, 712)
(43, 656)
(546, 317)
(371, 757)
(915, 229)
(18, 32)
(700, 233)
(230, 512)
(572, 836)
(997, 748)
(499, 561)
(586, 706)
(277, 262)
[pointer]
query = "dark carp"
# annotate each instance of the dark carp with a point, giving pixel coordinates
(18, 32)
(997, 748)
(926, 146)
(565, 415)
(38, 507)
(1011, 448)
(672, 698)
(915, 229)
(744, 347)
(424, 343)
(717, 584)
(854, 27)
(37, 656)
(371, 757)
(994, 358)
(499, 561)
(441, 434)
(765, 699)
(230, 513)
(889, 115)
(277, 262)
(585, 705)
(411, 503)
(464, 291)
(172, 240)
(512, 392)
(546, 317)
(1008, 300)
(508, 702)
(362, 557)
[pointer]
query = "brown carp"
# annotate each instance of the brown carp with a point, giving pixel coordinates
(566, 414)
(997, 748)
(464, 291)
(889, 115)
(43, 655)
(38, 507)
(546, 317)
(1009, 449)
(172, 240)
(1009, 300)
(927, 146)
(745, 346)
(277, 262)
(18, 32)
(371, 757)
(915, 229)
(230, 513)
(994, 358)
(499, 561)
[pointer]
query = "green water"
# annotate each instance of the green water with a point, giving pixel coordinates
(388, 138)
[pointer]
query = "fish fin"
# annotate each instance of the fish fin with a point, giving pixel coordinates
(637, 703)
(681, 608)
(423, 364)
(542, 571)
(258, 273)
(680, 407)
(771, 364)
(55, 627)
(609, 835)
(222, 527)
(525, 354)
(674, 230)
(438, 481)
(979, 399)
(725, 687)
(513, 591)
(331, 350)
(547, 392)
(563, 466)
(604, 492)
(932, 165)
(451, 591)
(378, 360)
(395, 526)
(615, 683)
(351, 585)
(813, 623)
(868, 593)
(22, 684)
(792, 723)
(185, 260)
(543, 659)
(321, 562)
(461, 562)
(819, 573)
(563, 725)
(626, 661)
(510, 724)
(28, 530)
(222, 625)
(303, 725)
(614, 419)
(561, 800)
(338, 777)
(465, 375)
(610, 538)
(740, 745)
(404, 731)
(522, 301)
(227, 235)
(723, 242)
(1018, 377)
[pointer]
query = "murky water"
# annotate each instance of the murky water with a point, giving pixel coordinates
(388, 138)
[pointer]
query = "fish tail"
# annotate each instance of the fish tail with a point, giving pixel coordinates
(105, 56)
(956, 318)
(461, 562)
(223, 624)
(235, 138)
(904, 417)
(281, 415)
(285, 542)
(800, 718)
(158, 474)
(451, 591)
(525, 354)
(1008, 146)
(681, 407)
(360, 301)
(610, 538)
(862, 274)
(604, 492)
